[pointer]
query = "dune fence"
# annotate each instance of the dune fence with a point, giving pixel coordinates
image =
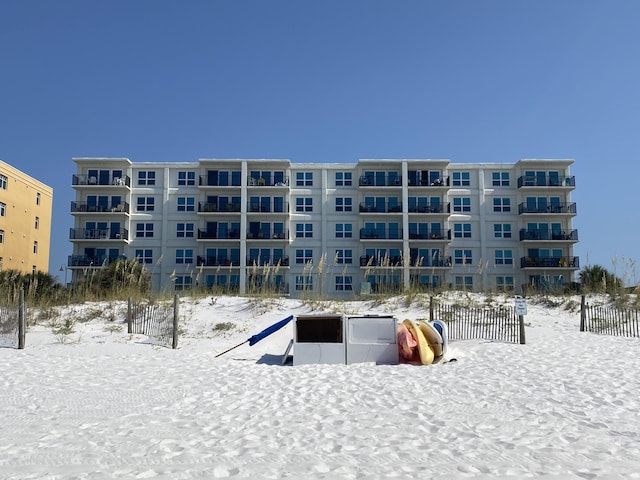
(13, 324)
(609, 320)
(481, 323)
(156, 320)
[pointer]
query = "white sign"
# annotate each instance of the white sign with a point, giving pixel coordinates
(521, 306)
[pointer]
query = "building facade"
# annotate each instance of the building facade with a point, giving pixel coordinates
(25, 221)
(336, 229)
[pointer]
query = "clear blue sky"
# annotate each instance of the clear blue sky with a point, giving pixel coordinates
(330, 81)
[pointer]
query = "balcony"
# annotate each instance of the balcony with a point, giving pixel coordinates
(429, 236)
(386, 261)
(564, 208)
(423, 262)
(210, 261)
(268, 235)
(547, 235)
(439, 208)
(385, 208)
(260, 208)
(423, 182)
(209, 235)
(267, 182)
(97, 234)
(84, 207)
(91, 262)
(219, 207)
(546, 181)
(366, 234)
(550, 262)
(268, 262)
(380, 181)
(99, 180)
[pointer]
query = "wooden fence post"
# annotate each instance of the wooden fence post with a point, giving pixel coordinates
(431, 308)
(174, 345)
(129, 321)
(22, 320)
(521, 321)
(583, 314)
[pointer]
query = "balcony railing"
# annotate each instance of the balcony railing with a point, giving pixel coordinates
(385, 208)
(81, 207)
(550, 262)
(366, 234)
(211, 261)
(206, 181)
(87, 261)
(218, 207)
(439, 208)
(257, 207)
(546, 181)
(97, 234)
(380, 181)
(566, 235)
(79, 179)
(569, 208)
(270, 262)
(270, 182)
(438, 182)
(423, 262)
(267, 235)
(430, 235)
(229, 235)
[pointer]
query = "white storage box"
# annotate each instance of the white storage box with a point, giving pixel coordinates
(372, 339)
(319, 339)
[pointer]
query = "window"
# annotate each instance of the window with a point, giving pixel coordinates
(464, 282)
(504, 284)
(344, 256)
(504, 257)
(35, 247)
(344, 283)
(343, 179)
(304, 204)
(146, 178)
(186, 178)
(344, 204)
(184, 230)
(144, 230)
(461, 179)
(183, 282)
(3, 209)
(184, 255)
(37, 199)
(500, 179)
(501, 204)
(304, 230)
(502, 230)
(461, 230)
(304, 256)
(144, 255)
(145, 204)
(304, 282)
(304, 179)
(186, 204)
(344, 230)
(3, 182)
(462, 204)
(1, 236)
(462, 257)
(36, 223)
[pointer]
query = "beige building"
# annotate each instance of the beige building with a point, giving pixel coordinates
(25, 221)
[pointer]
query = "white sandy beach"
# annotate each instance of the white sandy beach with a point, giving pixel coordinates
(105, 404)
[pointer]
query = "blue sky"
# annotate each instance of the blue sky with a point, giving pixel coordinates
(331, 81)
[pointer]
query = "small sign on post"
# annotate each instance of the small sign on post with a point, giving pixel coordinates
(521, 306)
(521, 311)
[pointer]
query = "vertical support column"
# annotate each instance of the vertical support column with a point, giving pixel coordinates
(129, 319)
(583, 313)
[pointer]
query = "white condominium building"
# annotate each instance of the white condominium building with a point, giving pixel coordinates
(339, 230)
